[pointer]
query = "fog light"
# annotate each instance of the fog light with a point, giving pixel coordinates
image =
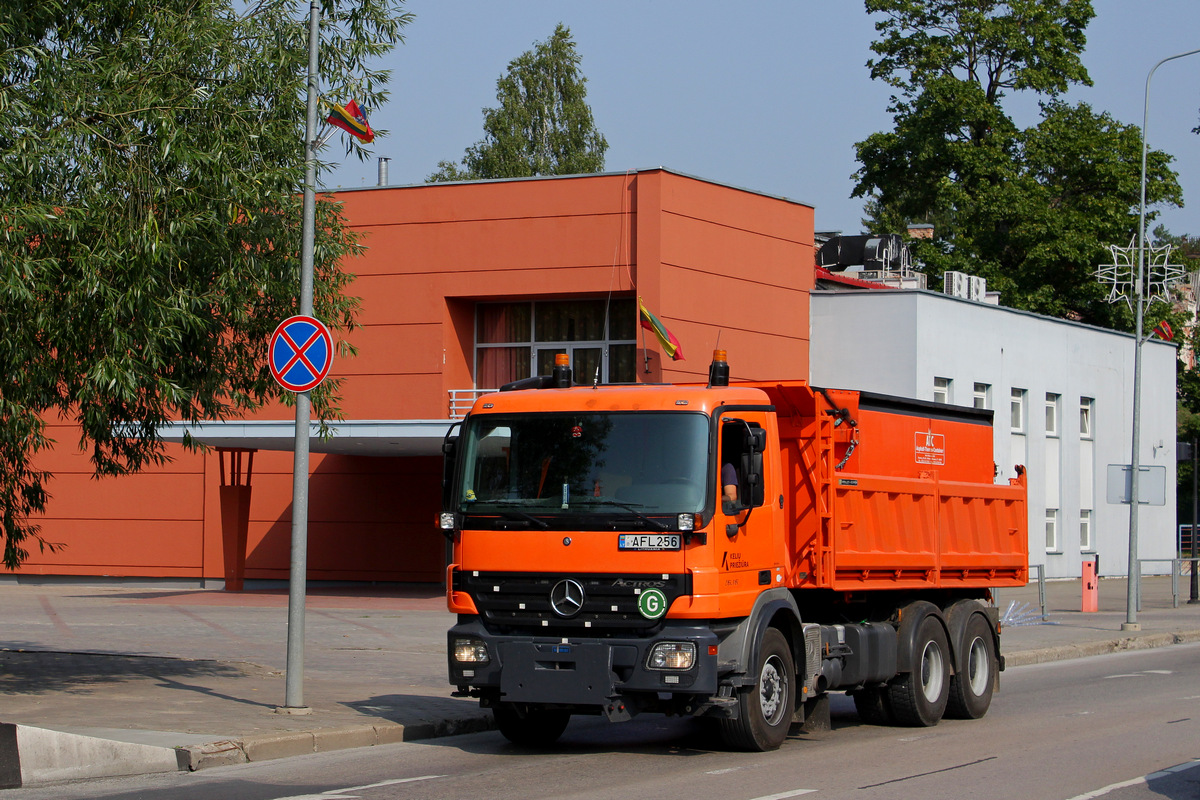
(686, 522)
(470, 651)
(672, 655)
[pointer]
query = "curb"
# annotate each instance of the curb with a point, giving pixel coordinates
(1069, 651)
(264, 747)
(30, 756)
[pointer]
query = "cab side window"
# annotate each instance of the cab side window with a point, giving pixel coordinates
(741, 463)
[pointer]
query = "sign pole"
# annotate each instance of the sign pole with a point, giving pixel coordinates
(298, 570)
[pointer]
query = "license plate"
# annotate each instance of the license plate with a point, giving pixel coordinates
(648, 541)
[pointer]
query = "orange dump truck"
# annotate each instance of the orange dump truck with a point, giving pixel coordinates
(733, 551)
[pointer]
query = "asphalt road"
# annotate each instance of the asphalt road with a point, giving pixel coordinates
(1124, 726)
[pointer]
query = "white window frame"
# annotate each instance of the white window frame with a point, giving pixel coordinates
(982, 395)
(1052, 545)
(1087, 413)
(1052, 415)
(942, 390)
(1085, 529)
(1017, 410)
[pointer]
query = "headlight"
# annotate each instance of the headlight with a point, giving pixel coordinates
(672, 655)
(470, 651)
(446, 520)
(686, 522)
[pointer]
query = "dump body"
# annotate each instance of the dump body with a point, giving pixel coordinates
(679, 548)
(912, 505)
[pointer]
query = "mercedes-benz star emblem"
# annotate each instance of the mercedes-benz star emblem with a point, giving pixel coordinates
(566, 598)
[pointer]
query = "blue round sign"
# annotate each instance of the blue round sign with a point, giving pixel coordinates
(301, 353)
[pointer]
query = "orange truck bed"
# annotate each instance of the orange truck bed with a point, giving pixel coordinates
(885, 493)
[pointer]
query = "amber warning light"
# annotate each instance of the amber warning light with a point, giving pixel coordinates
(561, 376)
(718, 371)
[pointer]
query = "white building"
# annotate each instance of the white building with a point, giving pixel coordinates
(1062, 393)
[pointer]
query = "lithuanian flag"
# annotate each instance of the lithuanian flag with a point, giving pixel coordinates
(652, 323)
(352, 120)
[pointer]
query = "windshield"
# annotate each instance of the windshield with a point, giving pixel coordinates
(619, 463)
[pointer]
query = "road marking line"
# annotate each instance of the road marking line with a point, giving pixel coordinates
(1137, 781)
(341, 794)
(783, 795)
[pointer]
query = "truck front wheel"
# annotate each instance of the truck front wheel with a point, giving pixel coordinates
(971, 688)
(533, 728)
(919, 697)
(765, 712)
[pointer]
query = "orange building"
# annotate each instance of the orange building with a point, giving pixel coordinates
(464, 287)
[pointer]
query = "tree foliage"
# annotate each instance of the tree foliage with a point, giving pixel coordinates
(543, 125)
(1032, 210)
(151, 162)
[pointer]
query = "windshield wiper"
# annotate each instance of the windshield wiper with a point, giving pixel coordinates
(597, 501)
(512, 514)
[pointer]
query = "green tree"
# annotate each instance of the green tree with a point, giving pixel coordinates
(1031, 210)
(543, 125)
(151, 162)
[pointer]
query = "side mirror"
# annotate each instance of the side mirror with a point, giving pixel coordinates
(450, 457)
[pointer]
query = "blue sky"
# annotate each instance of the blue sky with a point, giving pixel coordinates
(769, 95)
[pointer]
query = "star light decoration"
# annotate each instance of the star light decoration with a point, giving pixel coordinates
(1121, 274)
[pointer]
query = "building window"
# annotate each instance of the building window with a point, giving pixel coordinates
(1086, 406)
(520, 340)
(983, 395)
(941, 390)
(1017, 411)
(1051, 414)
(1052, 530)
(1085, 529)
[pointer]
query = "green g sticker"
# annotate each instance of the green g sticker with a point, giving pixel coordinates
(652, 603)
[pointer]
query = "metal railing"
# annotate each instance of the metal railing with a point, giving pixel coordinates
(461, 400)
(1041, 579)
(1176, 571)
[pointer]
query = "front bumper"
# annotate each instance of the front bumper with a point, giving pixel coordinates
(600, 673)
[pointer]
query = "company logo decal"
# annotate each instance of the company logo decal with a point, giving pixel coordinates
(930, 448)
(566, 598)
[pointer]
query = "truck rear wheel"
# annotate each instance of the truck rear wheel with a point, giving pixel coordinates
(765, 712)
(971, 687)
(534, 728)
(919, 697)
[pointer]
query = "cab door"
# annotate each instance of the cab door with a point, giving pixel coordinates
(748, 548)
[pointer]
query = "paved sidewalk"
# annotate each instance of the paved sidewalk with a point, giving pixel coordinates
(203, 671)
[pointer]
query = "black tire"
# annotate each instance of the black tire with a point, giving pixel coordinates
(873, 706)
(765, 712)
(971, 687)
(534, 728)
(918, 698)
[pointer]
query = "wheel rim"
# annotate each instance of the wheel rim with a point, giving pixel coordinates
(933, 671)
(978, 667)
(772, 690)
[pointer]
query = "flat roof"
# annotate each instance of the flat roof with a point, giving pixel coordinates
(794, 201)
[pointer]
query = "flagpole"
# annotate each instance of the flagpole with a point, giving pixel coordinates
(645, 350)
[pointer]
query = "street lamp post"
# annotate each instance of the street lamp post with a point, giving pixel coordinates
(1131, 623)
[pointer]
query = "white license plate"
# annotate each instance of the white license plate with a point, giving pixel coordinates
(648, 541)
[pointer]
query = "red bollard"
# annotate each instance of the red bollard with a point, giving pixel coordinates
(1091, 584)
